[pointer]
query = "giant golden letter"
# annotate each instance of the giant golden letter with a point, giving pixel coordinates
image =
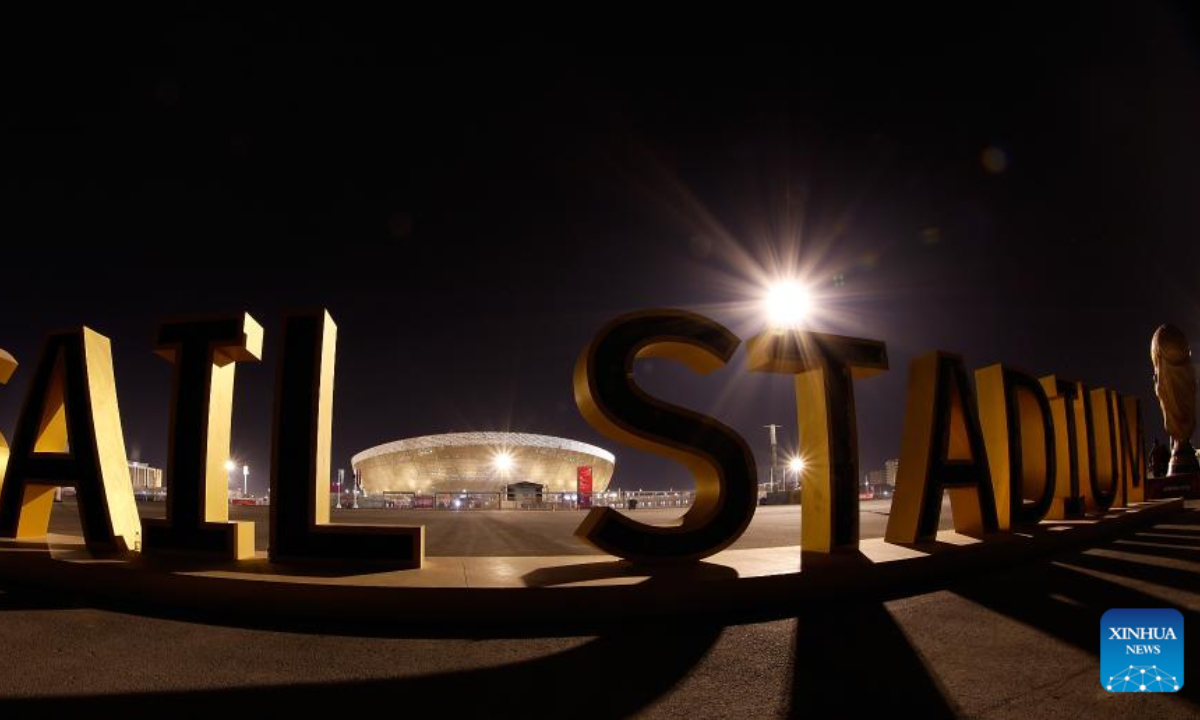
(1065, 407)
(300, 460)
(205, 353)
(1133, 447)
(942, 450)
(1018, 428)
(719, 459)
(8, 365)
(69, 433)
(1105, 446)
(825, 367)
(1085, 447)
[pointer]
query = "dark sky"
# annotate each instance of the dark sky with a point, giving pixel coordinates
(1017, 185)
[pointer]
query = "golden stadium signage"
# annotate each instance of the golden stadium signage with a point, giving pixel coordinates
(1021, 450)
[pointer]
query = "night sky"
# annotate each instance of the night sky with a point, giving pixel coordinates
(1016, 185)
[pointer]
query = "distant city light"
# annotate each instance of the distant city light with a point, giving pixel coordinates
(787, 304)
(230, 466)
(796, 465)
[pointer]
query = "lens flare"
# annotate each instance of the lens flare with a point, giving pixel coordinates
(787, 304)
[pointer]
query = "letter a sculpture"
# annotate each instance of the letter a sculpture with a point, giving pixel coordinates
(1175, 386)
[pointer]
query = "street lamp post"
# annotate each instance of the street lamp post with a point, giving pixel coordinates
(774, 455)
(245, 481)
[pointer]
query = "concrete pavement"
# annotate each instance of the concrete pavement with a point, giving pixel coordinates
(1019, 643)
(517, 533)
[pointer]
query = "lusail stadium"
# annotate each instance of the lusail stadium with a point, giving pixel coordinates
(480, 462)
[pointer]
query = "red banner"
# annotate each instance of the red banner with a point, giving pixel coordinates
(583, 486)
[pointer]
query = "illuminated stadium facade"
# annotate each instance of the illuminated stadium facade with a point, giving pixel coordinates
(480, 462)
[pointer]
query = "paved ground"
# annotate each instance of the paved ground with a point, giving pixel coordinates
(513, 532)
(1016, 644)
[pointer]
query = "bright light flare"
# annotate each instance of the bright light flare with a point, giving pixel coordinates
(503, 461)
(796, 465)
(787, 304)
(230, 466)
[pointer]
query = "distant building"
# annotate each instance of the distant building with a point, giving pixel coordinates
(480, 462)
(145, 477)
(890, 468)
(875, 478)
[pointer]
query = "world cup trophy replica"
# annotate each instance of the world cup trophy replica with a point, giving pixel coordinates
(1175, 386)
